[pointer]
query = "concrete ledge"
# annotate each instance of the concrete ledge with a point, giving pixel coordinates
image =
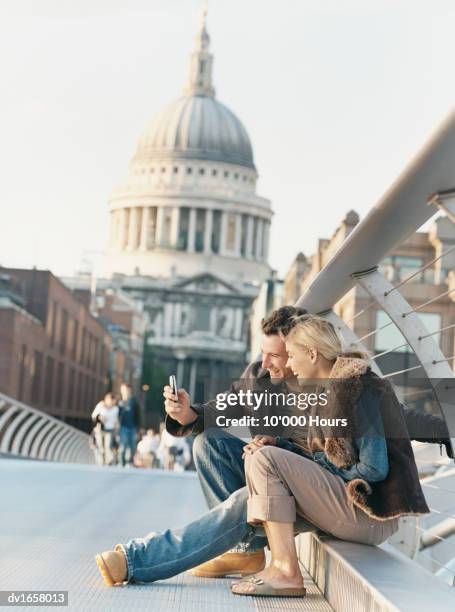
(357, 577)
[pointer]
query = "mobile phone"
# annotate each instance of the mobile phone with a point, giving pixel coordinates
(173, 384)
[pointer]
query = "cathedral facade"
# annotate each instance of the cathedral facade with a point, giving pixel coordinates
(189, 236)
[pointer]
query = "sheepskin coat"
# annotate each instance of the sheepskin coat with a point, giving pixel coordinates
(400, 493)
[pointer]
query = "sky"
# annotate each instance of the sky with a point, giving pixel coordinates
(336, 95)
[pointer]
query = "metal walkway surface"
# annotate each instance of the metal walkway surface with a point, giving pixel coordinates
(55, 517)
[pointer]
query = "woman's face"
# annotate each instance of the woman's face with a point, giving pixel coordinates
(303, 362)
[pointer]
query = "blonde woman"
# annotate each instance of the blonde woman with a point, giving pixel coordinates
(354, 486)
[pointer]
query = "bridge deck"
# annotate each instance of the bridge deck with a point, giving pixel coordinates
(55, 517)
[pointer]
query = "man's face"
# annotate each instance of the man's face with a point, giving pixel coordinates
(275, 357)
(125, 392)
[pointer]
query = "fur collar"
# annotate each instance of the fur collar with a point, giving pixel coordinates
(348, 367)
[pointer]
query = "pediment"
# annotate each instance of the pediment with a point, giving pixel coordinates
(207, 283)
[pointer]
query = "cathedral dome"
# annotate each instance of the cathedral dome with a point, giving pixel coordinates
(197, 126)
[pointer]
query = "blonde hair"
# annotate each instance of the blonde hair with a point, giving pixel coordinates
(310, 331)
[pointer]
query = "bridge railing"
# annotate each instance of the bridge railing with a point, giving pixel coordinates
(411, 201)
(33, 434)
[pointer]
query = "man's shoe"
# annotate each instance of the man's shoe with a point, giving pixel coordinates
(231, 564)
(113, 567)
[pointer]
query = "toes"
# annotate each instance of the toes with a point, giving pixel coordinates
(243, 587)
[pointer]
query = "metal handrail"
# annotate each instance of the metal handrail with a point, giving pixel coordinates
(402, 210)
(29, 432)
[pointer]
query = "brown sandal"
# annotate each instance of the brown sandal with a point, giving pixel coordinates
(264, 589)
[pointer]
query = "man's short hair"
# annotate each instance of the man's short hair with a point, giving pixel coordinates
(281, 321)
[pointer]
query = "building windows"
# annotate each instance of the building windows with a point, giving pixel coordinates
(36, 380)
(63, 331)
(200, 230)
(70, 397)
(184, 223)
(79, 394)
(54, 323)
(152, 170)
(201, 171)
(226, 174)
(176, 169)
(202, 317)
(163, 169)
(59, 384)
(189, 170)
(22, 370)
(75, 339)
(49, 382)
(236, 175)
(391, 337)
(399, 267)
(216, 231)
(214, 172)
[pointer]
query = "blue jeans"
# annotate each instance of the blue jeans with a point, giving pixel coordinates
(220, 467)
(128, 439)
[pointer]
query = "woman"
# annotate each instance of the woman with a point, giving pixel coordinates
(354, 485)
(351, 486)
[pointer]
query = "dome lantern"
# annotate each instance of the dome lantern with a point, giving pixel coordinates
(200, 78)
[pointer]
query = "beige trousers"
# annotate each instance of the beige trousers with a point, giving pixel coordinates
(282, 485)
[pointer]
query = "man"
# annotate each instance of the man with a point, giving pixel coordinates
(219, 458)
(209, 449)
(129, 423)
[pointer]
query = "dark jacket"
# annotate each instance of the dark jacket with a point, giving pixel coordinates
(421, 426)
(400, 493)
(129, 413)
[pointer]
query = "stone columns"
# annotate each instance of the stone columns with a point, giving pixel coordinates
(179, 373)
(238, 323)
(208, 231)
(192, 230)
(159, 225)
(249, 237)
(132, 230)
(260, 225)
(193, 378)
(122, 234)
(144, 229)
(238, 234)
(177, 318)
(266, 240)
(174, 239)
(223, 233)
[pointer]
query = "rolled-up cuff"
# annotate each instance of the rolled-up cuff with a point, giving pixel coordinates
(278, 508)
(129, 563)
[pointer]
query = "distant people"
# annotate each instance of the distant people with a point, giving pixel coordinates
(147, 449)
(129, 424)
(105, 415)
(173, 453)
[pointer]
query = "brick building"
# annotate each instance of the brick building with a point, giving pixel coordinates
(54, 355)
(124, 319)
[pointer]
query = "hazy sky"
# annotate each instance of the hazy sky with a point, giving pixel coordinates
(336, 96)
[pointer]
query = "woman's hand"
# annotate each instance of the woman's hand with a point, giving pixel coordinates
(258, 442)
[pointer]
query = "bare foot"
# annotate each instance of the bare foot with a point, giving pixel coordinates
(273, 576)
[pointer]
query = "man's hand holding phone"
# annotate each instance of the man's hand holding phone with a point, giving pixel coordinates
(178, 406)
